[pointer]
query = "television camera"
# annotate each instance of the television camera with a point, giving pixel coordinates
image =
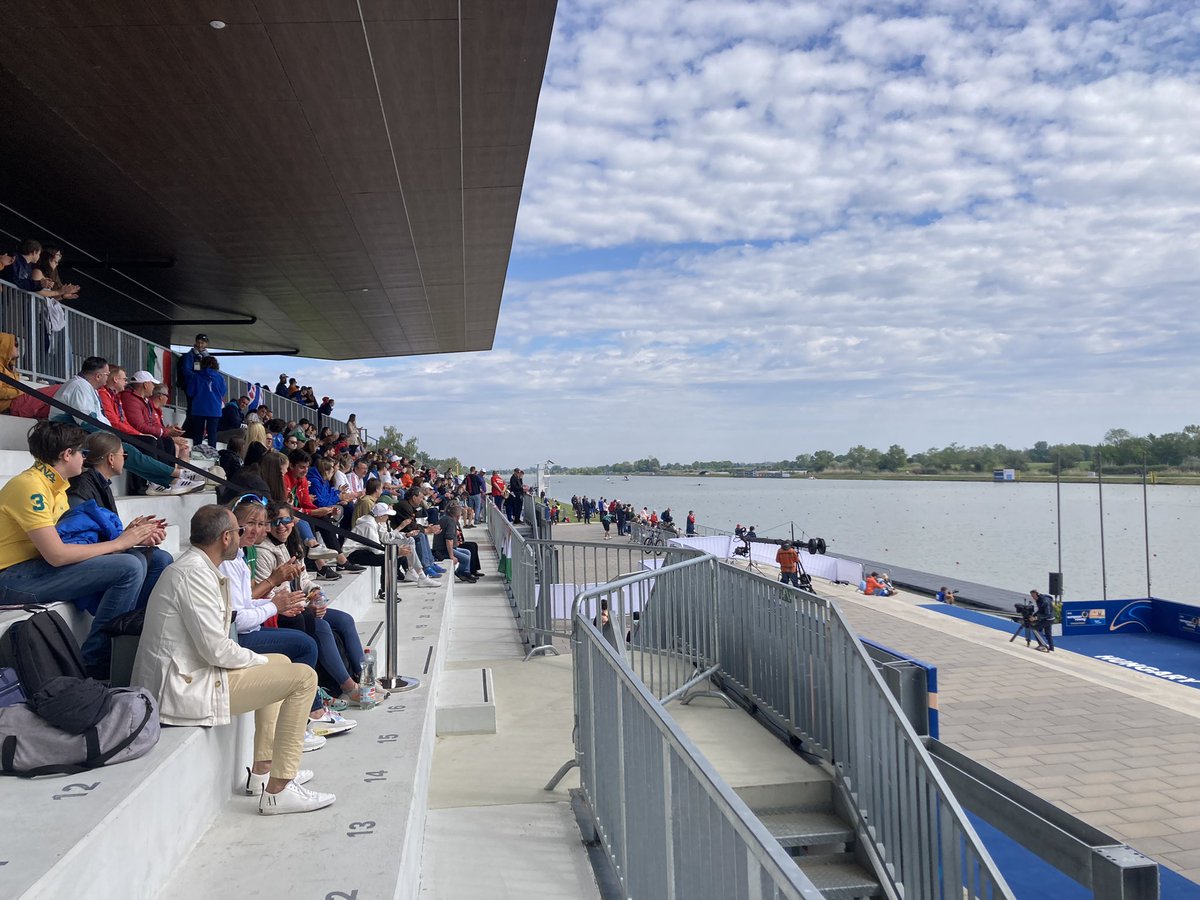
(1028, 624)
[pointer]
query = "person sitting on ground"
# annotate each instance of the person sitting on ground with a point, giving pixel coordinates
(82, 393)
(945, 595)
(875, 587)
(277, 550)
(257, 604)
(105, 461)
(886, 580)
(201, 676)
(34, 559)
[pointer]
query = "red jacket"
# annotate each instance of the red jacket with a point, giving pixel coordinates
(297, 491)
(111, 404)
(141, 414)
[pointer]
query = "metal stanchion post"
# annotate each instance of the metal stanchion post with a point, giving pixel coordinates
(391, 571)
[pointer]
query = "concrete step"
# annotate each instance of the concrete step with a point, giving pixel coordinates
(466, 702)
(794, 827)
(368, 844)
(813, 793)
(75, 827)
(839, 877)
(14, 431)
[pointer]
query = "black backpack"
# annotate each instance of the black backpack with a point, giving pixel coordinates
(40, 648)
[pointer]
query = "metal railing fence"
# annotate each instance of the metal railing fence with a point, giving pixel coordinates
(670, 824)
(794, 655)
(55, 357)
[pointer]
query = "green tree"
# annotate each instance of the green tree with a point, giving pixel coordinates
(822, 460)
(894, 459)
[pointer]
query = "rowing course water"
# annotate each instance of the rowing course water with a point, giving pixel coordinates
(1001, 535)
(1154, 655)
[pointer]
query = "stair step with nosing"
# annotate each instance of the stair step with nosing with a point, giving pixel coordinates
(804, 828)
(838, 876)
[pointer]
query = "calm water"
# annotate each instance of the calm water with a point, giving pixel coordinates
(997, 534)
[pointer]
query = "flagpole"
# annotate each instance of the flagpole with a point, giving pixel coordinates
(1100, 494)
(1058, 517)
(1146, 526)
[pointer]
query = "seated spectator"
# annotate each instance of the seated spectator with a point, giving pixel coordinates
(233, 418)
(874, 587)
(21, 273)
(208, 390)
(293, 389)
(137, 402)
(10, 352)
(83, 393)
(113, 394)
(446, 545)
(404, 520)
(277, 550)
(232, 458)
(374, 527)
(945, 595)
(373, 490)
(257, 604)
(105, 461)
(33, 557)
(201, 676)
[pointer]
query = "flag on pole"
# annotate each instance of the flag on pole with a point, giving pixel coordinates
(158, 363)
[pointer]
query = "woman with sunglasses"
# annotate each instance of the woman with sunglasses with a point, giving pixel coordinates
(260, 603)
(281, 547)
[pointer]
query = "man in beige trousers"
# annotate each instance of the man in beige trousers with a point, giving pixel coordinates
(201, 676)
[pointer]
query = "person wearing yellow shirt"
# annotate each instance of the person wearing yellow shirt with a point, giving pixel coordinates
(34, 559)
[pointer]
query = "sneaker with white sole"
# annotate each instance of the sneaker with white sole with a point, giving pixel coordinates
(183, 484)
(321, 554)
(332, 722)
(294, 798)
(312, 741)
(256, 783)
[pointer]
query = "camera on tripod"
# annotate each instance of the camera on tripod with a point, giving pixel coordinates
(1026, 614)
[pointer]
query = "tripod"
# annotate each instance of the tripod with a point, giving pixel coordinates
(1027, 629)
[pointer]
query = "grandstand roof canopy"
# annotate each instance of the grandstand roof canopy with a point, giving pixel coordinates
(348, 172)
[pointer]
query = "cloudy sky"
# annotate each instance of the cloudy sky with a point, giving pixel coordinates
(751, 230)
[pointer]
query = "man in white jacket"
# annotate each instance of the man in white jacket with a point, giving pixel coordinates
(201, 676)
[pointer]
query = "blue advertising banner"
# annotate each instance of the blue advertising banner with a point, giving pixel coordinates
(1176, 620)
(1134, 616)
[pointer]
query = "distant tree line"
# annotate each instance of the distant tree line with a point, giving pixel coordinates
(1120, 453)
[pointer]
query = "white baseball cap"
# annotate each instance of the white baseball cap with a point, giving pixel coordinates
(141, 376)
(381, 509)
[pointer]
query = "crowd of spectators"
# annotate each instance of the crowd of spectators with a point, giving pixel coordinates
(254, 560)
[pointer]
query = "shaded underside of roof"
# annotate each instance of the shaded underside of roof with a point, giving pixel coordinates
(347, 172)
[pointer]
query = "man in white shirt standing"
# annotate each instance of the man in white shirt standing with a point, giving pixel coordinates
(201, 676)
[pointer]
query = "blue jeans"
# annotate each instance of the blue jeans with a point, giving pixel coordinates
(111, 582)
(153, 561)
(137, 462)
(464, 561)
(306, 532)
(292, 643)
(327, 649)
(424, 554)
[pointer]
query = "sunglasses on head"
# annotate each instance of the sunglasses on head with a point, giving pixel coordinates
(255, 498)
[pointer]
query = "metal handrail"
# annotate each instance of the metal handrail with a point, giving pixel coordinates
(796, 658)
(56, 357)
(650, 790)
(793, 656)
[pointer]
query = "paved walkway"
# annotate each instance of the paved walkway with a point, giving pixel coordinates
(1119, 749)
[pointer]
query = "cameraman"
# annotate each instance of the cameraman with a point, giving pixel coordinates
(1044, 617)
(787, 557)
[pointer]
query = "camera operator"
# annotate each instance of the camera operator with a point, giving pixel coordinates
(787, 557)
(1044, 617)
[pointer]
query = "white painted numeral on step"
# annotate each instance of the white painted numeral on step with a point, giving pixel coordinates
(357, 828)
(342, 895)
(381, 775)
(388, 738)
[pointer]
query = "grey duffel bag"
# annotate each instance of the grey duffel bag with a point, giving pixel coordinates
(30, 746)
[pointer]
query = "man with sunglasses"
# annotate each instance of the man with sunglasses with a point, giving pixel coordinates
(34, 559)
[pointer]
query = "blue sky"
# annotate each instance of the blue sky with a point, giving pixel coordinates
(751, 230)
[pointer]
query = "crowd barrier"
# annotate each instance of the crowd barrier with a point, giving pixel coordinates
(793, 658)
(671, 826)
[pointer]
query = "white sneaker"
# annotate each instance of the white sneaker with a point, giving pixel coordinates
(425, 581)
(312, 741)
(319, 554)
(333, 722)
(256, 783)
(292, 799)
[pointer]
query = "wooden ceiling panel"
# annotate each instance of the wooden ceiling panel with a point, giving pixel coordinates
(268, 160)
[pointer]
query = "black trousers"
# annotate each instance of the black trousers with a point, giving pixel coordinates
(473, 548)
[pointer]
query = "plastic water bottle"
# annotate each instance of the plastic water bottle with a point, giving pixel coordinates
(366, 682)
